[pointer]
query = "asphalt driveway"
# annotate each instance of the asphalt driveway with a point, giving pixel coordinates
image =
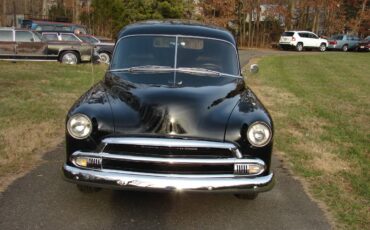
(42, 200)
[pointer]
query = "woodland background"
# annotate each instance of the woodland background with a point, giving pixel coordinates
(255, 23)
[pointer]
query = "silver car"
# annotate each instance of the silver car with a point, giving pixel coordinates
(343, 42)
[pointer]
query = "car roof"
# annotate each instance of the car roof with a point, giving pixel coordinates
(177, 27)
(12, 28)
(54, 32)
(299, 31)
(42, 22)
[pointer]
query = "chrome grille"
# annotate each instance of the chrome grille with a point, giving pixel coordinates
(172, 156)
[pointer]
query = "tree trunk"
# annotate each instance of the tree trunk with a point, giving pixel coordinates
(250, 28)
(361, 16)
(258, 7)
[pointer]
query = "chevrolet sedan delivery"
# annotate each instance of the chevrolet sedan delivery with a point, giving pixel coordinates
(172, 113)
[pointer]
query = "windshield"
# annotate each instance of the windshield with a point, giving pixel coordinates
(190, 54)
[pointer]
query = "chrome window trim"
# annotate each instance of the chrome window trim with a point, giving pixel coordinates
(176, 36)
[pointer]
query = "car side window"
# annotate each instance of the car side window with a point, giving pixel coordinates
(23, 36)
(50, 37)
(69, 37)
(302, 35)
(6, 36)
(313, 36)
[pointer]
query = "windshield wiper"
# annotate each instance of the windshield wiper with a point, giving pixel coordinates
(199, 70)
(144, 68)
(149, 67)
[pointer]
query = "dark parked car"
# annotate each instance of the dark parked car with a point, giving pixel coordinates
(18, 44)
(172, 113)
(104, 46)
(364, 45)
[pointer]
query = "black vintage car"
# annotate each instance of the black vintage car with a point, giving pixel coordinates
(172, 113)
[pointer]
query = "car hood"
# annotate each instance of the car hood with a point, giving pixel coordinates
(195, 106)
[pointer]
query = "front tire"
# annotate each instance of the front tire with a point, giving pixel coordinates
(322, 47)
(69, 58)
(299, 47)
(87, 189)
(104, 58)
(246, 196)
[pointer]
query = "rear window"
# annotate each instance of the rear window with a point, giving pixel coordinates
(288, 34)
(6, 36)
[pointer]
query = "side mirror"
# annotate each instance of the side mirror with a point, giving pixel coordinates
(254, 68)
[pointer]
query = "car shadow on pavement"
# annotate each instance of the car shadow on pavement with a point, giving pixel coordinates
(42, 199)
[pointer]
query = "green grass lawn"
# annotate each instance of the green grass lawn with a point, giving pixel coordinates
(34, 99)
(320, 105)
(321, 108)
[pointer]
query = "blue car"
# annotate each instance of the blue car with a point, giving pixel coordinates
(343, 42)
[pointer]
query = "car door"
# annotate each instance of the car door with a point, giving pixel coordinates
(314, 40)
(29, 45)
(303, 38)
(7, 44)
(354, 42)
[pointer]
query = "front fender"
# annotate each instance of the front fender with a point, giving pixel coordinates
(95, 104)
(246, 112)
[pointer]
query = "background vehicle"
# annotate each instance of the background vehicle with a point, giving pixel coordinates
(18, 44)
(343, 42)
(61, 36)
(172, 113)
(364, 45)
(301, 40)
(70, 37)
(104, 46)
(39, 25)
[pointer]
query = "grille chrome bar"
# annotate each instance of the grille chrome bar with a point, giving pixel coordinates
(205, 161)
(172, 143)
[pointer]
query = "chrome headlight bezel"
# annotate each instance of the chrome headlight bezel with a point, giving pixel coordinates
(266, 131)
(84, 121)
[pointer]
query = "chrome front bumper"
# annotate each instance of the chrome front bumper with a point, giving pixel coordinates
(172, 182)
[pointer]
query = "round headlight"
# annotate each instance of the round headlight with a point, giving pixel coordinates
(259, 134)
(79, 126)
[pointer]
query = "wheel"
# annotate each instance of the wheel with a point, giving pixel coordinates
(104, 58)
(299, 47)
(345, 48)
(87, 189)
(322, 47)
(70, 58)
(246, 196)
